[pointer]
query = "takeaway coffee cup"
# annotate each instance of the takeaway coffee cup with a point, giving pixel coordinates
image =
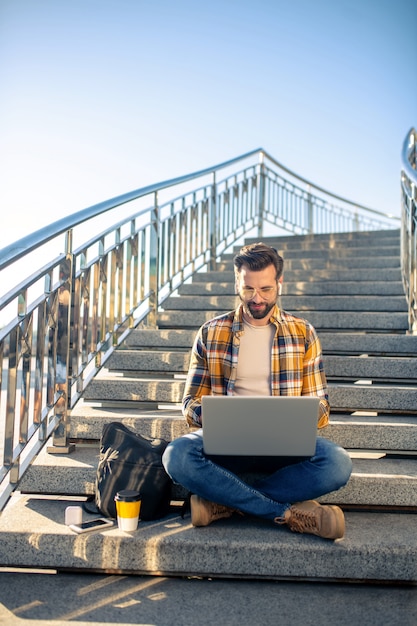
(128, 509)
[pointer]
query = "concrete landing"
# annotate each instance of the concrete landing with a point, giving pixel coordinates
(376, 546)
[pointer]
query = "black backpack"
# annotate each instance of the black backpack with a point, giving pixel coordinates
(131, 461)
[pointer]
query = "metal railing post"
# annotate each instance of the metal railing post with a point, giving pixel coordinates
(212, 225)
(63, 367)
(261, 193)
(412, 296)
(409, 227)
(310, 209)
(356, 221)
(154, 265)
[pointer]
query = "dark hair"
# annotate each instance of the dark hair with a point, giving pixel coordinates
(258, 256)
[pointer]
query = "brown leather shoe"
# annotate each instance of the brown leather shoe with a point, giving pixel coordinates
(326, 521)
(204, 512)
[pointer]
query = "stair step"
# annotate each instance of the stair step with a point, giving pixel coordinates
(360, 239)
(343, 397)
(369, 343)
(302, 261)
(157, 338)
(375, 368)
(372, 432)
(322, 321)
(351, 367)
(337, 253)
(331, 242)
(390, 482)
(386, 399)
(149, 361)
(121, 388)
(87, 421)
(376, 547)
(336, 274)
(294, 303)
(352, 288)
(332, 342)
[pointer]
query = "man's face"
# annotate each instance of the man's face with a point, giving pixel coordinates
(258, 293)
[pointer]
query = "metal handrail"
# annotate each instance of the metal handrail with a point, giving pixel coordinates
(17, 249)
(23, 246)
(328, 193)
(108, 268)
(409, 225)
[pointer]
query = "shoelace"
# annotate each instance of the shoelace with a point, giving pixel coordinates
(219, 509)
(300, 521)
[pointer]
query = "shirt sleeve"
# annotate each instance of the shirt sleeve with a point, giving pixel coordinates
(314, 378)
(198, 382)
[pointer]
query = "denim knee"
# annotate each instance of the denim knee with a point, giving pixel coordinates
(175, 459)
(168, 459)
(341, 464)
(345, 466)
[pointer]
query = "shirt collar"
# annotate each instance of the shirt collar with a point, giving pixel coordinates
(237, 326)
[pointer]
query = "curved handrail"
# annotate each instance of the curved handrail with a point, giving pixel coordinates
(409, 149)
(23, 246)
(329, 193)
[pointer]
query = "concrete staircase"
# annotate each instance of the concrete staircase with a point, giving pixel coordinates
(349, 286)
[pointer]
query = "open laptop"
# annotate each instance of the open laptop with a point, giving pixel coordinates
(267, 426)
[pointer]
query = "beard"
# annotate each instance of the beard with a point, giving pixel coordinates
(257, 311)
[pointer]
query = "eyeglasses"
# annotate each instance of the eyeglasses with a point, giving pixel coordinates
(249, 292)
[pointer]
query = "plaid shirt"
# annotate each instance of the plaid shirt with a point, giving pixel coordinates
(296, 362)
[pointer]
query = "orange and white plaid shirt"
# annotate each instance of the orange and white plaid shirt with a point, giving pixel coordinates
(296, 362)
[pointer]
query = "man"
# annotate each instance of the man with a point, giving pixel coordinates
(258, 349)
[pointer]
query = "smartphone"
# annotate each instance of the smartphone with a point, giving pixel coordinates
(92, 524)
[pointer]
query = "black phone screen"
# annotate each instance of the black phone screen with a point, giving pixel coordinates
(93, 523)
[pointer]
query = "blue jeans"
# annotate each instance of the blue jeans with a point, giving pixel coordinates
(269, 496)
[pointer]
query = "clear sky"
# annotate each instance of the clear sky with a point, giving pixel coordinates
(100, 97)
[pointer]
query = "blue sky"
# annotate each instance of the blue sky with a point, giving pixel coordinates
(103, 97)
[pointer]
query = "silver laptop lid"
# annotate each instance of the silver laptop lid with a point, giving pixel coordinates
(260, 425)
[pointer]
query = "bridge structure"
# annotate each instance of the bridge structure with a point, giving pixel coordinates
(102, 326)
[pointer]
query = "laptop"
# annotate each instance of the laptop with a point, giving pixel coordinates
(269, 426)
